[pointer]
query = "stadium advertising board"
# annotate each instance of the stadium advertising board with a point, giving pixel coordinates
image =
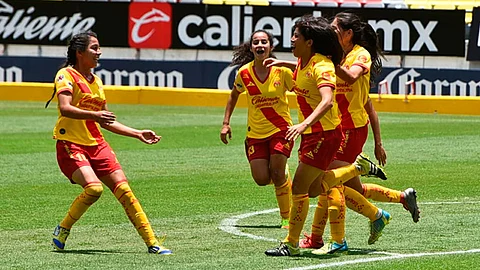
(473, 53)
(216, 27)
(218, 75)
(402, 32)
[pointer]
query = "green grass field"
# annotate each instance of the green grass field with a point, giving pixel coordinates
(200, 193)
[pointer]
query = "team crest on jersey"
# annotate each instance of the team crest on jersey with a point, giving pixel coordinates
(60, 78)
(276, 83)
(308, 74)
(362, 58)
(326, 76)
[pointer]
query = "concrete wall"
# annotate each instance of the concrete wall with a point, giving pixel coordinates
(218, 98)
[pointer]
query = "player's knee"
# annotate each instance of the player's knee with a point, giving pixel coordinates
(93, 192)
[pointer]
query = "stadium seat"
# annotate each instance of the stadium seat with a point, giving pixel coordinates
(443, 5)
(466, 5)
(327, 3)
(190, 1)
(399, 4)
(212, 2)
(235, 2)
(418, 4)
(258, 2)
(303, 3)
(280, 2)
(374, 4)
(350, 3)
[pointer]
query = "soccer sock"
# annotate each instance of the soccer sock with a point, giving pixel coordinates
(320, 217)
(135, 213)
(80, 205)
(338, 176)
(298, 214)
(284, 195)
(382, 194)
(336, 213)
(358, 203)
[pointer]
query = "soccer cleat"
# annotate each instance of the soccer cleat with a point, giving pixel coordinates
(285, 249)
(158, 248)
(311, 241)
(369, 168)
(161, 250)
(332, 247)
(377, 227)
(410, 204)
(285, 223)
(60, 236)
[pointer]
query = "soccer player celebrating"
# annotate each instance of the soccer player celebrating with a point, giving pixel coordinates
(354, 76)
(317, 48)
(83, 155)
(266, 148)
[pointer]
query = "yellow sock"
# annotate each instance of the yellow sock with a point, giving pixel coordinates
(338, 176)
(298, 214)
(320, 217)
(381, 194)
(135, 213)
(336, 213)
(284, 196)
(360, 204)
(80, 205)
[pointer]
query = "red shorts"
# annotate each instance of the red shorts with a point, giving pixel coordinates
(318, 149)
(101, 158)
(352, 144)
(264, 148)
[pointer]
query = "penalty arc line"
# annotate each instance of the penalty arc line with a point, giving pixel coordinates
(229, 225)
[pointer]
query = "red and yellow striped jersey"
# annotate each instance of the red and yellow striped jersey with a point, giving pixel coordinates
(352, 98)
(85, 95)
(318, 72)
(268, 111)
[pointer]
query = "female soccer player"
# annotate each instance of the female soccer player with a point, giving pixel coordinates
(266, 148)
(316, 46)
(354, 77)
(83, 155)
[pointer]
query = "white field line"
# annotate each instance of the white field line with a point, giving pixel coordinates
(376, 259)
(229, 225)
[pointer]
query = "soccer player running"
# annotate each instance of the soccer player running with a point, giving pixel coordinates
(317, 48)
(83, 155)
(269, 117)
(354, 77)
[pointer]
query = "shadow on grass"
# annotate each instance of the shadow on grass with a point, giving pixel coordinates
(88, 251)
(258, 226)
(351, 252)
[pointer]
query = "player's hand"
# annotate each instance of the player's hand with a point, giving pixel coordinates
(225, 132)
(269, 62)
(380, 154)
(104, 117)
(149, 137)
(294, 131)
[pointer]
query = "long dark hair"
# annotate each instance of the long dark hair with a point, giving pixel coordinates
(325, 40)
(365, 36)
(78, 42)
(242, 54)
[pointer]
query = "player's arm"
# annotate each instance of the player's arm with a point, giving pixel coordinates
(229, 108)
(322, 108)
(380, 153)
(350, 75)
(269, 62)
(147, 136)
(68, 110)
